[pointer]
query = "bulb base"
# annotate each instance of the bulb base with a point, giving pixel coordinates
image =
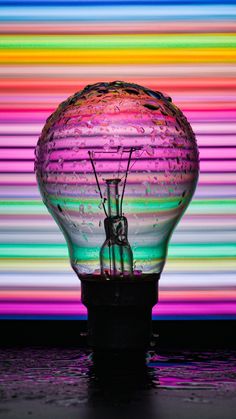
(120, 312)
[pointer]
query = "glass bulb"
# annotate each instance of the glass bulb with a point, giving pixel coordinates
(117, 165)
(122, 153)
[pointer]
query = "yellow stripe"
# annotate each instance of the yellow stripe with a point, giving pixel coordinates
(172, 265)
(120, 56)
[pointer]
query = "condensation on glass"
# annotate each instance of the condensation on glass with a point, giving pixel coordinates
(117, 165)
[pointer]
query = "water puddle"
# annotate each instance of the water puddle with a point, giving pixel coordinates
(70, 377)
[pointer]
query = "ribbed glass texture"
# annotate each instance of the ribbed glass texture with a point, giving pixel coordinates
(138, 138)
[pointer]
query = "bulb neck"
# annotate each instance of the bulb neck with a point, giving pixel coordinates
(120, 312)
(116, 256)
(113, 197)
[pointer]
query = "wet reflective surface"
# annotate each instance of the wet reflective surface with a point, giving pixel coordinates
(58, 383)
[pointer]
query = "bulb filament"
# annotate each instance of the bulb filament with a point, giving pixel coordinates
(116, 256)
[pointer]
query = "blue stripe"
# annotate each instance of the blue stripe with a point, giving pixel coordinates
(113, 13)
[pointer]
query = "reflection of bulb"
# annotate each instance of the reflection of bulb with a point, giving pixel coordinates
(123, 157)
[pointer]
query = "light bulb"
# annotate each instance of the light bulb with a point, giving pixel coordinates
(117, 165)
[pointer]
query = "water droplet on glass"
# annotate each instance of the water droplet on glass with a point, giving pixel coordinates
(149, 150)
(106, 147)
(140, 130)
(81, 209)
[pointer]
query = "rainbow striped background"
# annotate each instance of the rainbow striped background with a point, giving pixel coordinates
(51, 49)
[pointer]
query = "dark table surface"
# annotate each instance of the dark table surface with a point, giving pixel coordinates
(37, 382)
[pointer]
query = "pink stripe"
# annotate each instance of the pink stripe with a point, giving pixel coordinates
(119, 27)
(219, 166)
(21, 128)
(17, 153)
(214, 128)
(40, 116)
(58, 84)
(205, 153)
(17, 167)
(190, 96)
(216, 153)
(25, 179)
(28, 166)
(31, 140)
(72, 296)
(24, 117)
(198, 128)
(18, 141)
(43, 308)
(77, 309)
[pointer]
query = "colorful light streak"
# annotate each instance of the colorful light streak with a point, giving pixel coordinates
(52, 48)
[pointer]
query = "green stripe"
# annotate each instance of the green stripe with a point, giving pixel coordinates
(117, 41)
(197, 206)
(212, 250)
(130, 205)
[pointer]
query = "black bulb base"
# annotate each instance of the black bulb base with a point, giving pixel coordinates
(120, 312)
